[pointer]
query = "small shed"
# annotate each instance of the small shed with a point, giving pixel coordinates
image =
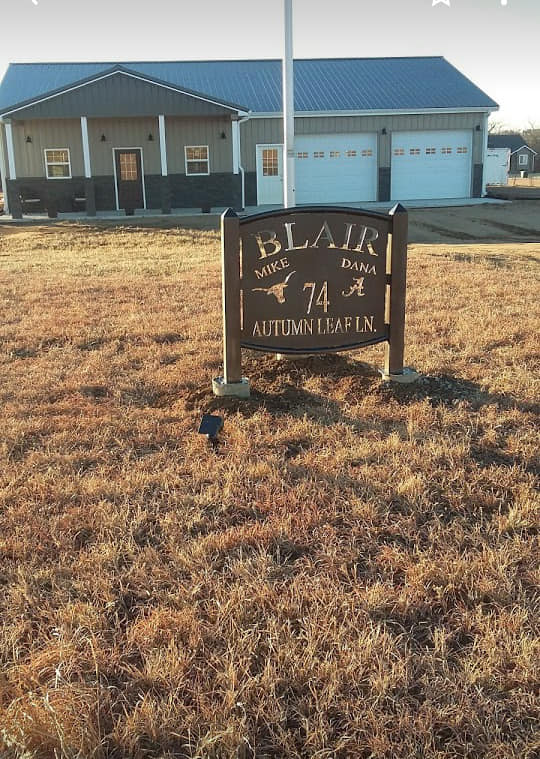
(521, 155)
(497, 166)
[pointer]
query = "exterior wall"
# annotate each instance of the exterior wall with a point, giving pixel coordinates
(270, 131)
(259, 131)
(221, 187)
(123, 133)
(183, 192)
(50, 133)
(181, 132)
(115, 96)
(59, 193)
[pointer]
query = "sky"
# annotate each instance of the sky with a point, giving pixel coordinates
(493, 42)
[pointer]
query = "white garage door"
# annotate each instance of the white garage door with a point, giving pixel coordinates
(336, 168)
(429, 165)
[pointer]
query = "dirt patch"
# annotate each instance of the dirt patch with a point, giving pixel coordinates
(488, 222)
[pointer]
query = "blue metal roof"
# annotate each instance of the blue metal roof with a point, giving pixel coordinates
(343, 84)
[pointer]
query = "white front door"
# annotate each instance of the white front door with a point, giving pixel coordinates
(427, 165)
(270, 175)
(336, 168)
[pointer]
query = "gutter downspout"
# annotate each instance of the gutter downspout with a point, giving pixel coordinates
(485, 151)
(3, 168)
(240, 166)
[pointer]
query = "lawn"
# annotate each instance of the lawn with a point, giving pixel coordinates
(351, 572)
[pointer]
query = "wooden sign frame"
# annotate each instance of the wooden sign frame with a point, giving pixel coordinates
(234, 254)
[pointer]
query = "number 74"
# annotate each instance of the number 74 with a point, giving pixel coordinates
(322, 298)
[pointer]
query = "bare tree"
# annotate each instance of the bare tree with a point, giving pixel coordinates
(495, 126)
(532, 136)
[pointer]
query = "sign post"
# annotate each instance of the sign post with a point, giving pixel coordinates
(397, 271)
(232, 383)
(313, 280)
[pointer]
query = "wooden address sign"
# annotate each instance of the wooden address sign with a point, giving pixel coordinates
(312, 280)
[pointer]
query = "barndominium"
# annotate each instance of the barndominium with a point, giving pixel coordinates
(313, 280)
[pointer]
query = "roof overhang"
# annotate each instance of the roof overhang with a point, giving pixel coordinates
(123, 71)
(375, 112)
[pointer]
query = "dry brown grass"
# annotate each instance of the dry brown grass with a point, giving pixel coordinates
(533, 180)
(352, 572)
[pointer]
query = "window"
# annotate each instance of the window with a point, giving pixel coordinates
(414, 151)
(399, 151)
(350, 153)
(318, 154)
(128, 167)
(524, 159)
(303, 154)
(367, 152)
(57, 163)
(446, 151)
(197, 161)
(335, 154)
(270, 162)
(431, 151)
(463, 150)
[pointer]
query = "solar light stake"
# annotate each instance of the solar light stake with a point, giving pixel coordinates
(210, 426)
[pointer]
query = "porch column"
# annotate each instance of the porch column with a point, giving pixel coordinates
(16, 207)
(3, 168)
(235, 146)
(89, 188)
(165, 186)
(10, 151)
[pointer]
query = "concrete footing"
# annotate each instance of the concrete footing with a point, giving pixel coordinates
(405, 378)
(231, 389)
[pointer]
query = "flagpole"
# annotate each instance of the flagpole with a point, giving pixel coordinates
(289, 200)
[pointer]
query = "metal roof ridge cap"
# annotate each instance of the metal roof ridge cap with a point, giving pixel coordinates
(227, 60)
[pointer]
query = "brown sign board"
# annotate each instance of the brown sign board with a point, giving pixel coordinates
(312, 280)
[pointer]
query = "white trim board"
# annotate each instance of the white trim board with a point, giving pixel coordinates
(86, 148)
(3, 171)
(141, 78)
(163, 145)
(10, 151)
(386, 112)
(142, 175)
(235, 134)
